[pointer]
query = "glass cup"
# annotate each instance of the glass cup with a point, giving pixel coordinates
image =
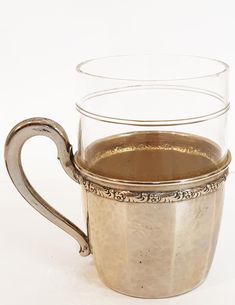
(152, 161)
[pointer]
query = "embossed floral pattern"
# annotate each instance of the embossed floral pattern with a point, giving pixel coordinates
(151, 196)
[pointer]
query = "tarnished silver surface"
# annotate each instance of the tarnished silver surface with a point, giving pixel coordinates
(15, 140)
(153, 250)
(144, 250)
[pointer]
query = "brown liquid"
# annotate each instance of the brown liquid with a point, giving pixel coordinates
(152, 156)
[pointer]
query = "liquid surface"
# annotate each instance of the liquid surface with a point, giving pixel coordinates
(152, 156)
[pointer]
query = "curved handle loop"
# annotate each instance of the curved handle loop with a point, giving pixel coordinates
(14, 143)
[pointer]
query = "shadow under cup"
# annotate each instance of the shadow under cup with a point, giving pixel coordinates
(152, 161)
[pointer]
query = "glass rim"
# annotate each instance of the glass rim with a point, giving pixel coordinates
(81, 67)
(149, 82)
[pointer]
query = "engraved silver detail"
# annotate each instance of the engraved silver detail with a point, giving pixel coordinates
(152, 196)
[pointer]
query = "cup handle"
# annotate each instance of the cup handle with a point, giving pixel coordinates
(14, 143)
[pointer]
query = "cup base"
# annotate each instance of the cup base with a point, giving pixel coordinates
(156, 296)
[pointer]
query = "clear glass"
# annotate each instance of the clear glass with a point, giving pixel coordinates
(153, 94)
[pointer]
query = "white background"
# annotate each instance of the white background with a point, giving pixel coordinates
(41, 42)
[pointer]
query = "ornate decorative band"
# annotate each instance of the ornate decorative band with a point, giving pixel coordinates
(152, 196)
